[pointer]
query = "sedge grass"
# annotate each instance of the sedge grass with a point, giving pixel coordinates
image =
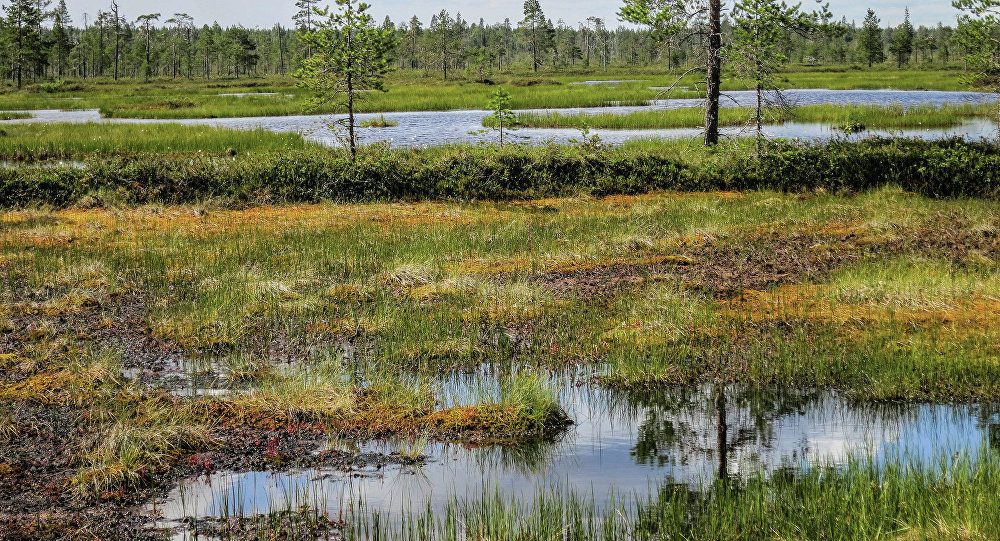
(866, 499)
(68, 140)
(389, 282)
(869, 116)
(417, 91)
(378, 122)
(15, 115)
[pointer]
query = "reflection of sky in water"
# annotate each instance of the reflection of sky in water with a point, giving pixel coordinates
(452, 127)
(621, 444)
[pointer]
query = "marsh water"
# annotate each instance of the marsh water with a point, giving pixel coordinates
(622, 445)
(428, 128)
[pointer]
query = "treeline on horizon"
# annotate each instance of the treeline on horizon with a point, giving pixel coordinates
(39, 41)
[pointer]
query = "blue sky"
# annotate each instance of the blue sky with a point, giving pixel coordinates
(266, 13)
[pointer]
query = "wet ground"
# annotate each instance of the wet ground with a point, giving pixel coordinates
(417, 129)
(622, 445)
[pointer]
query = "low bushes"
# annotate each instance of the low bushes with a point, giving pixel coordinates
(949, 168)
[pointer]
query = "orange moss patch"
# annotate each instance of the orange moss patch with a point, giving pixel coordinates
(491, 419)
(963, 316)
(525, 265)
(194, 222)
(371, 415)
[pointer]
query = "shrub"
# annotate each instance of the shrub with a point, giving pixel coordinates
(951, 168)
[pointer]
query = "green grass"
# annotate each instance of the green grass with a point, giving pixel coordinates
(39, 141)
(415, 91)
(378, 122)
(869, 116)
(15, 115)
(345, 319)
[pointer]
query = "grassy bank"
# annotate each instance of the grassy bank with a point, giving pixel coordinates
(943, 168)
(14, 115)
(410, 91)
(871, 117)
(37, 141)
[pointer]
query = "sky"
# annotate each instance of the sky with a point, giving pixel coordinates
(265, 13)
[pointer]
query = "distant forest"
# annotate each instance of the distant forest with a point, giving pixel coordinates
(39, 40)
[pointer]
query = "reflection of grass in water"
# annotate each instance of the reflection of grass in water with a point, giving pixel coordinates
(954, 499)
(300, 511)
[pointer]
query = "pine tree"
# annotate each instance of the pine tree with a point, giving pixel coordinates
(759, 27)
(61, 45)
(304, 18)
(870, 44)
(446, 39)
(22, 38)
(979, 34)
(902, 41)
(146, 22)
(350, 55)
(535, 27)
(414, 32)
(668, 17)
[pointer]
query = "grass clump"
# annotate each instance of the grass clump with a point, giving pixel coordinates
(525, 405)
(33, 141)
(378, 122)
(15, 115)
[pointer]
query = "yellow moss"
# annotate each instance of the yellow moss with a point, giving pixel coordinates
(45, 388)
(346, 293)
(643, 334)
(961, 316)
(8, 361)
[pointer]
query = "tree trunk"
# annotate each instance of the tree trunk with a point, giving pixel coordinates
(714, 73)
(350, 117)
(758, 116)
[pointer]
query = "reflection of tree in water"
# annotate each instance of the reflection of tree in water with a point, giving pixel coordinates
(682, 426)
(685, 424)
